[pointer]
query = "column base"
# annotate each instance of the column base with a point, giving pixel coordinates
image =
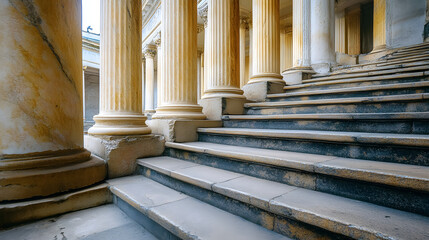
(180, 130)
(258, 91)
(215, 107)
(45, 180)
(294, 76)
(266, 77)
(322, 68)
(190, 112)
(223, 92)
(119, 125)
(345, 59)
(121, 152)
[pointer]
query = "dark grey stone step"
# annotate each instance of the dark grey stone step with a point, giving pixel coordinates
(397, 148)
(414, 122)
(350, 218)
(179, 214)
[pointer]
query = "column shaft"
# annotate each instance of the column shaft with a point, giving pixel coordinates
(121, 70)
(301, 33)
(285, 49)
(223, 66)
(243, 27)
(266, 41)
(159, 67)
(179, 54)
(353, 31)
(202, 75)
(379, 25)
(149, 54)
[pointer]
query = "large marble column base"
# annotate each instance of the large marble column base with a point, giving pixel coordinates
(180, 130)
(121, 152)
(190, 112)
(215, 107)
(51, 177)
(294, 76)
(258, 91)
(119, 125)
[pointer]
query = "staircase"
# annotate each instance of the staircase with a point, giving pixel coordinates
(342, 156)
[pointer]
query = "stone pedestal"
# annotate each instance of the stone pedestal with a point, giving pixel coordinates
(266, 50)
(176, 130)
(121, 152)
(121, 70)
(301, 36)
(215, 108)
(41, 147)
(179, 62)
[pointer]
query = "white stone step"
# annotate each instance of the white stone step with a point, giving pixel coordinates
(184, 216)
(352, 218)
(100, 223)
(392, 174)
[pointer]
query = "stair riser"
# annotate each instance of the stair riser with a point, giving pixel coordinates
(352, 94)
(153, 227)
(279, 224)
(384, 153)
(375, 126)
(388, 196)
(357, 84)
(378, 107)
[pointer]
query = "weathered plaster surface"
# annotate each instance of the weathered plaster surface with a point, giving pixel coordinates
(40, 76)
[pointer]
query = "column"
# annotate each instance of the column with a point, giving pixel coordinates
(340, 32)
(179, 68)
(250, 50)
(285, 48)
(159, 67)
(353, 30)
(223, 62)
(301, 33)
(41, 101)
(202, 71)
(322, 35)
(121, 70)
(244, 26)
(199, 73)
(266, 42)
(379, 35)
(149, 54)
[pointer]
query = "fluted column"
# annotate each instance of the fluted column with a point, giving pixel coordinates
(223, 66)
(159, 67)
(202, 71)
(285, 49)
(179, 54)
(149, 54)
(301, 33)
(266, 41)
(322, 35)
(121, 70)
(199, 73)
(244, 26)
(41, 115)
(379, 25)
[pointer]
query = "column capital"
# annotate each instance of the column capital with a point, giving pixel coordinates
(157, 39)
(149, 51)
(200, 28)
(244, 22)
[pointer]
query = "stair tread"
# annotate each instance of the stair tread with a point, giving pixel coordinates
(337, 214)
(417, 140)
(389, 98)
(358, 79)
(342, 116)
(393, 174)
(185, 216)
(383, 71)
(353, 89)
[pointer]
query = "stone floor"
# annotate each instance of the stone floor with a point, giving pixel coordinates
(100, 223)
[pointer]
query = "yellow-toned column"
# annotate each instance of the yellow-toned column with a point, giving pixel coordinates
(149, 54)
(266, 42)
(199, 73)
(353, 30)
(244, 26)
(379, 35)
(179, 68)
(340, 32)
(285, 49)
(223, 65)
(41, 117)
(202, 72)
(121, 70)
(159, 68)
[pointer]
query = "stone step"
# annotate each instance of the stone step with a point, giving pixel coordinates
(403, 122)
(99, 223)
(361, 91)
(399, 61)
(363, 180)
(385, 147)
(171, 214)
(360, 81)
(409, 53)
(382, 71)
(13, 213)
(394, 103)
(406, 57)
(350, 218)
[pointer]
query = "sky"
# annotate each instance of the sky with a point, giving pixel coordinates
(91, 15)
